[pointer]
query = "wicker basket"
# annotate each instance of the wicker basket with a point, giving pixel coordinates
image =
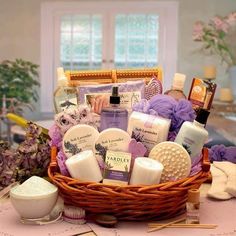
(130, 202)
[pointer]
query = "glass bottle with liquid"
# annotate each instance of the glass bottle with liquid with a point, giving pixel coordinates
(193, 207)
(64, 96)
(177, 87)
(114, 116)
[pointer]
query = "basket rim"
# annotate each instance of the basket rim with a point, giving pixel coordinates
(55, 175)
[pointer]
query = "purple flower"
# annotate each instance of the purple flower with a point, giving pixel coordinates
(61, 159)
(222, 153)
(55, 135)
(196, 165)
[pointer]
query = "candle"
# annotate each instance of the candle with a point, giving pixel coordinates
(210, 72)
(226, 95)
(84, 166)
(146, 171)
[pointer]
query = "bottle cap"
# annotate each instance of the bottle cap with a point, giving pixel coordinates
(202, 116)
(61, 78)
(178, 81)
(193, 195)
(115, 98)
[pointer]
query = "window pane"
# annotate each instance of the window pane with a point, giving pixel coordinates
(136, 40)
(81, 42)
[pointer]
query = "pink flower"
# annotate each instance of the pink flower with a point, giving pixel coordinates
(220, 24)
(231, 19)
(198, 31)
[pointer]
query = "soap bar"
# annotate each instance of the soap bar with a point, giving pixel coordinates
(117, 168)
(174, 158)
(79, 138)
(147, 129)
(113, 139)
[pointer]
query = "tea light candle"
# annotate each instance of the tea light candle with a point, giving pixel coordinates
(210, 72)
(146, 171)
(226, 95)
(84, 166)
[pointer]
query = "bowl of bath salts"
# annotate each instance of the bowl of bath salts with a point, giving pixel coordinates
(35, 198)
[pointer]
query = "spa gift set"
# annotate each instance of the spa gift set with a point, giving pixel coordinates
(124, 148)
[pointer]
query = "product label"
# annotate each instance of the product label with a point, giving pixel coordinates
(202, 93)
(127, 99)
(117, 168)
(198, 93)
(192, 146)
(69, 103)
(147, 129)
(78, 140)
(147, 136)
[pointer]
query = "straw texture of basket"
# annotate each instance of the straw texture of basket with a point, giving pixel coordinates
(128, 202)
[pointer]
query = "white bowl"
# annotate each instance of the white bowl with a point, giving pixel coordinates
(35, 198)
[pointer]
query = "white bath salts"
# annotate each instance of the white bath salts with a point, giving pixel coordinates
(34, 187)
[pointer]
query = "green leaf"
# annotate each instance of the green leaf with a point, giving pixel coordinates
(18, 79)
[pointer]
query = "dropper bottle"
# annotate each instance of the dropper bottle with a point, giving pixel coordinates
(176, 90)
(64, 95)
(114, 116)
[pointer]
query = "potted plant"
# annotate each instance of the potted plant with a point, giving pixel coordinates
(218, 38)
(18, 84)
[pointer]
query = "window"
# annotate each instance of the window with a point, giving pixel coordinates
(94, 35)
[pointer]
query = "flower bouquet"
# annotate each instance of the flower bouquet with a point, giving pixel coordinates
(218, 37)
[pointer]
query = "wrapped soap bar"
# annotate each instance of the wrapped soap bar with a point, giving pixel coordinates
(148, 129)
(117, 168)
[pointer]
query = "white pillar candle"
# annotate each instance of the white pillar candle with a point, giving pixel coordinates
(226, 95)
(84, 166)
(210, 72)
(146, 171)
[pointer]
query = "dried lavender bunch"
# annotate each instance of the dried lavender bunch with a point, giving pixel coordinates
(30, 158)
(8, 165)
(34, 153)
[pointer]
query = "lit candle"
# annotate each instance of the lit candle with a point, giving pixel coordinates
(146, 171)
(210, 72)
(226, 95)
(84, 166)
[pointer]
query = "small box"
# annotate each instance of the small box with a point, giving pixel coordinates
(117, 168)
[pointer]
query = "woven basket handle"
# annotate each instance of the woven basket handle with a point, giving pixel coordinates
(53, 162)
(205, 160)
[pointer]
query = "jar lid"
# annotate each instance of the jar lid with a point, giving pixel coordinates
(193, 195)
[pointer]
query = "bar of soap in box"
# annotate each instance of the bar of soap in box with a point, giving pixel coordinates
(117, 168)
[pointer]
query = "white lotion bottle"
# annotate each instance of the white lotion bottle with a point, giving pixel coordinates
(193, 135)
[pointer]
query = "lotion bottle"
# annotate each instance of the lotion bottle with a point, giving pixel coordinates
(193, 135)
(176, 90)
(64, 95)
(114, 116)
